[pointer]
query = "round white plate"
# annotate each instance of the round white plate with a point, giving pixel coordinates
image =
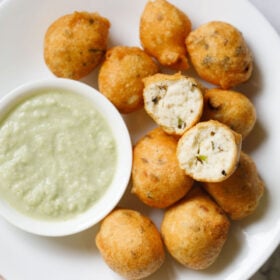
(251, 241)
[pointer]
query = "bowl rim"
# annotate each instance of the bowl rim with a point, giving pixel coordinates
(116, 189)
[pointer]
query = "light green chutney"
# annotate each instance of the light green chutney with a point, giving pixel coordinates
(57, 155)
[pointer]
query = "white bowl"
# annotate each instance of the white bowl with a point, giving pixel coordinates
(121, 176)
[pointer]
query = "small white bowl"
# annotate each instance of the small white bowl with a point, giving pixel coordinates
(115, 191)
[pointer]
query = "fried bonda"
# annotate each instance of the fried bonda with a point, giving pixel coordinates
(209, 151)
(163, 29)
(120, 76)
(157, 179)
(219, 54)
(75, 44)
(175, 102)
(231, 108)
(195, 229)
(130, 244)
(239, 195)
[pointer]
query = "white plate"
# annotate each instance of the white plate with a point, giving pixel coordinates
(251, 241)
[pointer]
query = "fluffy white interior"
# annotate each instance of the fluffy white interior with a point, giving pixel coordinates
(208, 153)
(174, 104)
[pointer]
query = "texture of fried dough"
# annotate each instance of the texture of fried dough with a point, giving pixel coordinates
(120, 76)
(209, 151)
(130, 244)
(220, 54)
(163, 29)
(75, 44)
(239, 195)
(231, 108)
(175, 102)
(157, 179)
(194, 230)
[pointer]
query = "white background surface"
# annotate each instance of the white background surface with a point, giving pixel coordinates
(270, 9)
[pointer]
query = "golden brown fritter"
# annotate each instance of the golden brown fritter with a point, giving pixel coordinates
(121, 74)
(194, 230)
(239, 195)
(75, 44)
(163, 29)
(220, 54)
(157, 179)
(130, 244)
(231, 108)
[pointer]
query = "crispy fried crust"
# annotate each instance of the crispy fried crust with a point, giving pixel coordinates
(220, 54)
(239, 195)
(163, 29)
(157, 179)
(194, 230)
(75, 44)
(231, 108)
(130, 244)
(121, 74)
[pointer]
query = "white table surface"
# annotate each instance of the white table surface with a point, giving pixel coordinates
(271, 10)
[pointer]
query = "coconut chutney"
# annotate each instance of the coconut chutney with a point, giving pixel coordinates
(57, 155)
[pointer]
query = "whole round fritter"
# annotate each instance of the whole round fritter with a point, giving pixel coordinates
(157, 179)
(75, 44)
(194, 230)
(120, 76)
(220, 54)
(130, 244)
(163, 29)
